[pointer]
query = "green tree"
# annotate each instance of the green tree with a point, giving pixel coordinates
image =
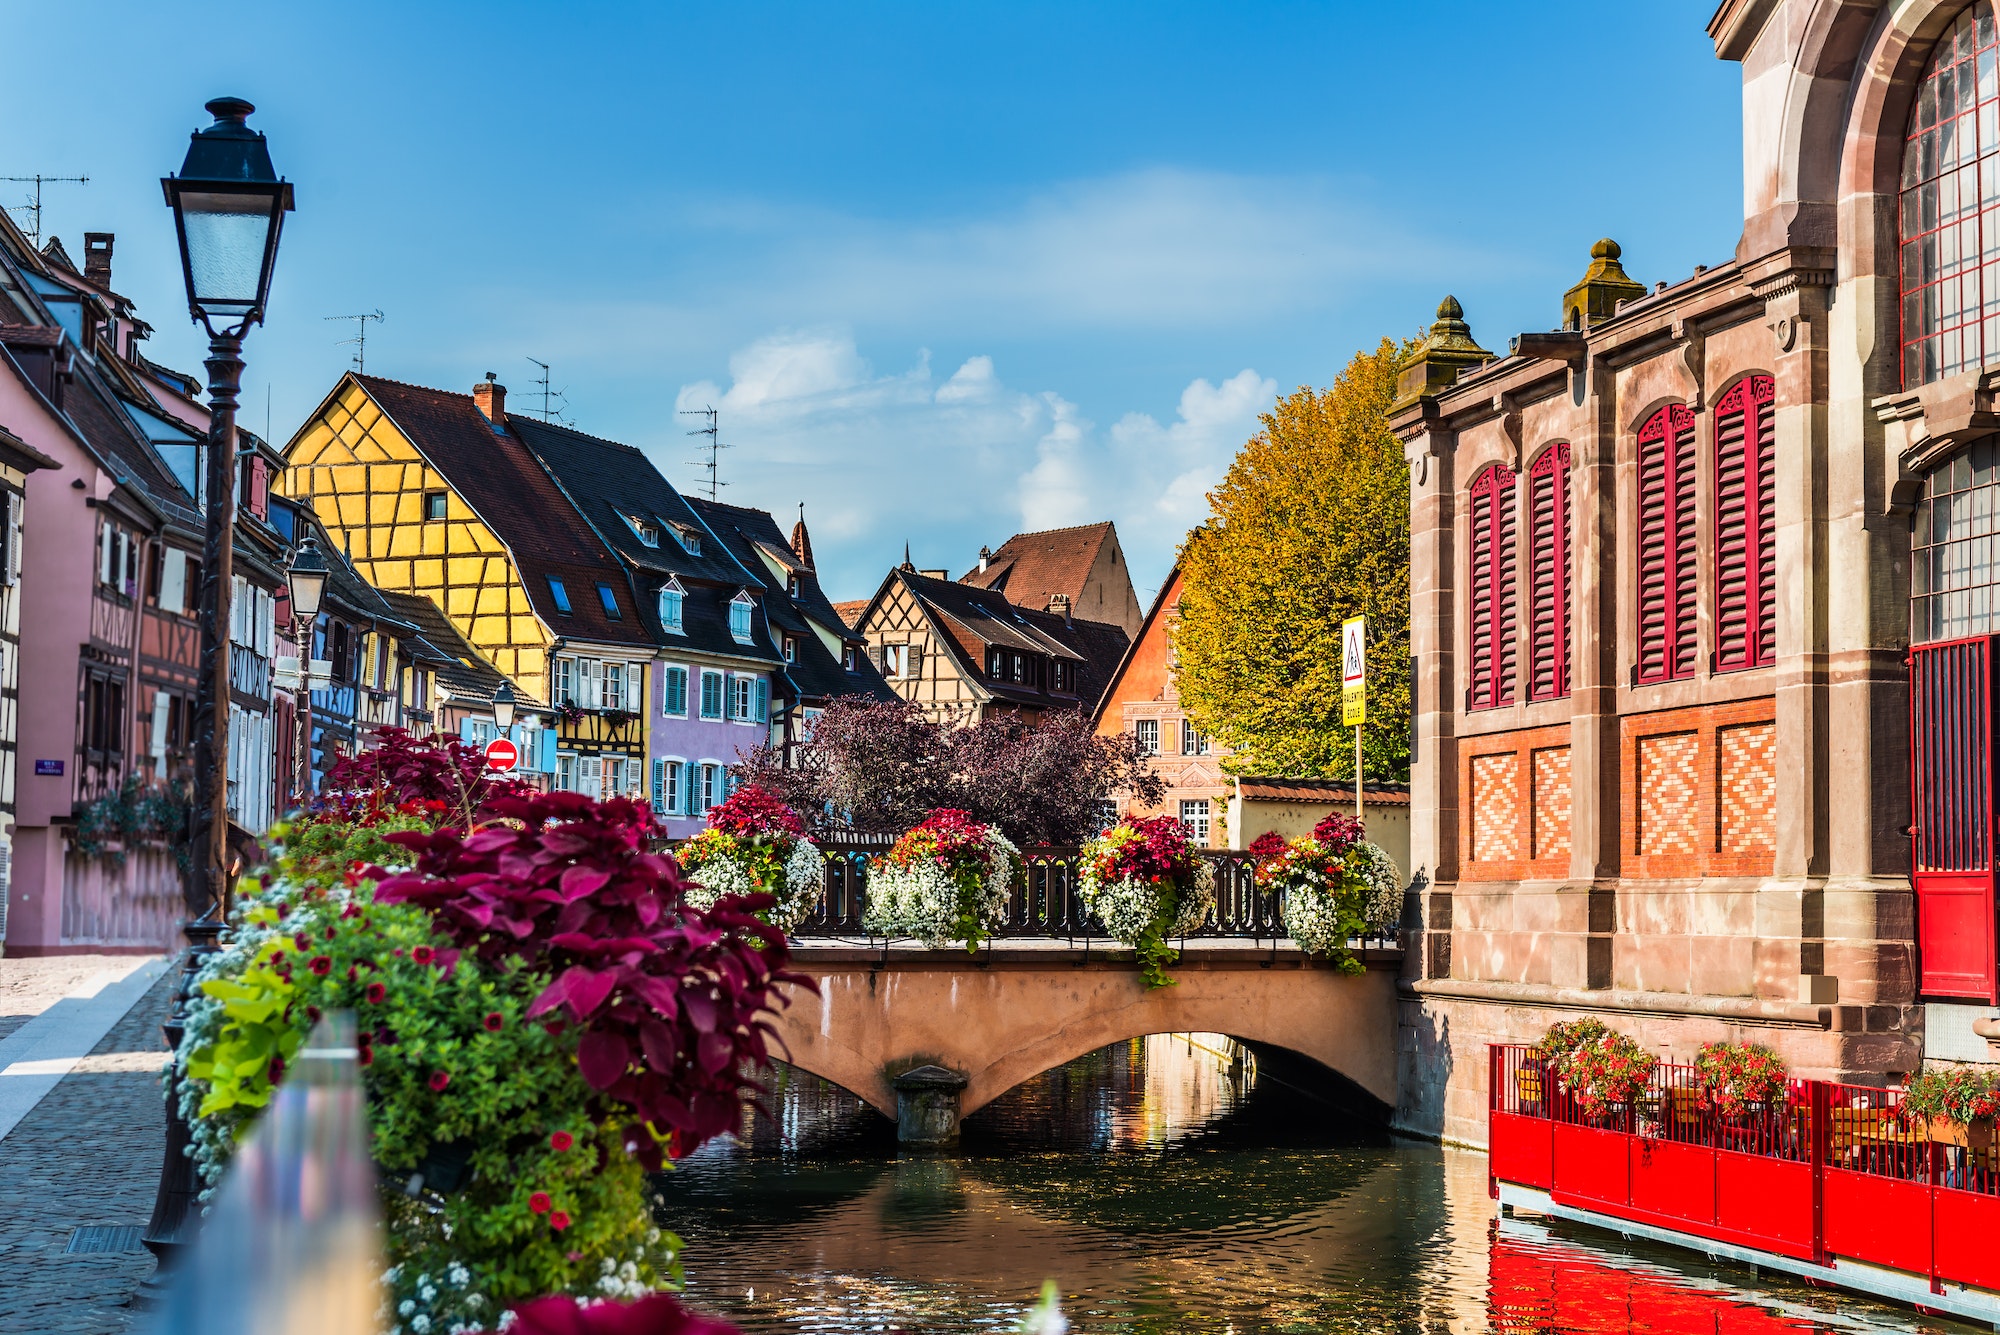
(1310, 526)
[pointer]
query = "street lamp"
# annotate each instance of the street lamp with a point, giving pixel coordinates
(305, 577)
(229, 206)
(503, 706)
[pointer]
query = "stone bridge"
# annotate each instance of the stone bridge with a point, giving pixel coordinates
(976, 1026)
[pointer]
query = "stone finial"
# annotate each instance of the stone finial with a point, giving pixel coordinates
(1605, 284)
(1437, 361)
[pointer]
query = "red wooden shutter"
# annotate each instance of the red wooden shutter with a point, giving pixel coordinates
(1549, 561)
(1745, 527)
(1667, 540)
(1492, 591)
(1951, 812)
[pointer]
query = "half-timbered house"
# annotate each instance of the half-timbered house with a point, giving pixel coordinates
(963, 652)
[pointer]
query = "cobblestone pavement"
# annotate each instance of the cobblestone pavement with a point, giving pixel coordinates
(89, 1153)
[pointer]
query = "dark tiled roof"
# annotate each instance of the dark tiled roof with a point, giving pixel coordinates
(974, 619)
(1029, 567)
(459, 665)
(504, 483)
(607, 481)
(1322, 790)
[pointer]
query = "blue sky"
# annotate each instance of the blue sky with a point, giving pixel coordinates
(947, 270)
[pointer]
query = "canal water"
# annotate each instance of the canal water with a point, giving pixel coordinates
(1172, 1184)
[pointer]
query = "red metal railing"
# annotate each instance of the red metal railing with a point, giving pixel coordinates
(1828, 1171)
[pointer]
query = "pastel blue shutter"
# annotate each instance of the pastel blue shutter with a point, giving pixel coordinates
(465, 730)
(692, 788)
(659, 785)
(763, 700)
(548, 756)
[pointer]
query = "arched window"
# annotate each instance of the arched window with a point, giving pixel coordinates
(1666, 546)
(1951, 207)
(1492, 589)
(1746, 528)
(1548, 574)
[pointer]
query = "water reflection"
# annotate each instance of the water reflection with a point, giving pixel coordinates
(1173, 1184)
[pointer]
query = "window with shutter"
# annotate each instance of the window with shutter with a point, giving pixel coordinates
(1491, 590)
(1746, 529)
(1667, 644)
(1549, 574)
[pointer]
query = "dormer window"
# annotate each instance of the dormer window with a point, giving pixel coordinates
(792, 584)
(672, 599)
(791, 650)
(648, 532)
(996, 664)
(739, 618)
(689, 540)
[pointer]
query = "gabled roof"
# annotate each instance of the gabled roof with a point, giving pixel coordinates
(1030, 567)
(850, 612)
(500, 478)
(1145, 628)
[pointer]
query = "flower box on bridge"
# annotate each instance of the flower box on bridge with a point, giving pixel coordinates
(1834, 1183)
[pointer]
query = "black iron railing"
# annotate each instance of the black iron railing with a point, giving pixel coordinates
(1045, 902)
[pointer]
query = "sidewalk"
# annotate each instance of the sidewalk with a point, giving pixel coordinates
(87, 1150)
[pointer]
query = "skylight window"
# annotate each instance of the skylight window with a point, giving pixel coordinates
(560, 594)
(610, 601)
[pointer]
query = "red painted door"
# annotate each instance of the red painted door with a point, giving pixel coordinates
(1951, 816)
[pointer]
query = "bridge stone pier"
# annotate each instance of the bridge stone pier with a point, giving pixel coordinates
(1005, 1015)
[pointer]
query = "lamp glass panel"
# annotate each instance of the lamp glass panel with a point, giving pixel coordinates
(225, 246)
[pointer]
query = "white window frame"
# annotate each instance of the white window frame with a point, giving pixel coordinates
(644, 530)
(566, 692)
(674, 776)
(741, 697)
(673, 591)
(1195, 814)
(1147, 731)
(614, 685)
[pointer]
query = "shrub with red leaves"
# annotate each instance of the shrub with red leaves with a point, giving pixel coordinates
(1338, 832)
(672, 1001)
(655, 1314)
(402, 770)
(753, 810)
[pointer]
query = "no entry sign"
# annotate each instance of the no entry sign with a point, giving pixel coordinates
(502, 754)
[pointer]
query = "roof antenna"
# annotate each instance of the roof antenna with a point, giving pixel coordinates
(552, 399)
(715, 446)
(360, 339)
(33, 208)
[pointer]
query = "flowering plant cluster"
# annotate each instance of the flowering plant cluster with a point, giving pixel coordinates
(755, 844)
(1323, 899)
(1604, 1071)
(1564, 1037)
(1960, 1093)
(541, 1020)
(945, 880)
(1733, 1076)
(1144, 881)
(1337, 831)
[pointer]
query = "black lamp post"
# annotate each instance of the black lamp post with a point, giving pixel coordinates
(305, 577)
(229, 206)
(503, 707)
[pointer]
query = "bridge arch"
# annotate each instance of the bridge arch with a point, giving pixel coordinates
(1004, 1019)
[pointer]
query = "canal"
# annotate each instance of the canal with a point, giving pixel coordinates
(1175, 1183)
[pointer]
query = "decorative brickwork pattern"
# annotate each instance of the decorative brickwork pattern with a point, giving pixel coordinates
(1496, 808)
(1669, 793)
(1551, 803)
(1746, 789)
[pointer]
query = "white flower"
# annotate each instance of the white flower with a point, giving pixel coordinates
(428, 1293)
(1129, 905)
(803, 881)
(474, 1301)
(924, 900)
(460, 1276)
(420, 1324)
(407, 1306)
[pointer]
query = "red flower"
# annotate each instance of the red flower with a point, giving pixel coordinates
(560, 1141)
(376, 992)
(493, 1021)
(539, 1203)
(559, 1221)
(367, 1054)
(423, 954)
(312, 1013)
(439, 1079)
(302, 941)
(321, 965)
(276, 1070)
(331, 933)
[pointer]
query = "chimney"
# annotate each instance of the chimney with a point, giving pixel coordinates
(985, 556)
(97, 258)
(1059, 604)
(490, 397)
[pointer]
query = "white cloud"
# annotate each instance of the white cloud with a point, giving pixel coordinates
(881, 459)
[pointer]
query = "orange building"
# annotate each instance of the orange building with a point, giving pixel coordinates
(1143, 699)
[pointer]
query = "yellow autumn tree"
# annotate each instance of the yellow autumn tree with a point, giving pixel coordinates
(1310, 526)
